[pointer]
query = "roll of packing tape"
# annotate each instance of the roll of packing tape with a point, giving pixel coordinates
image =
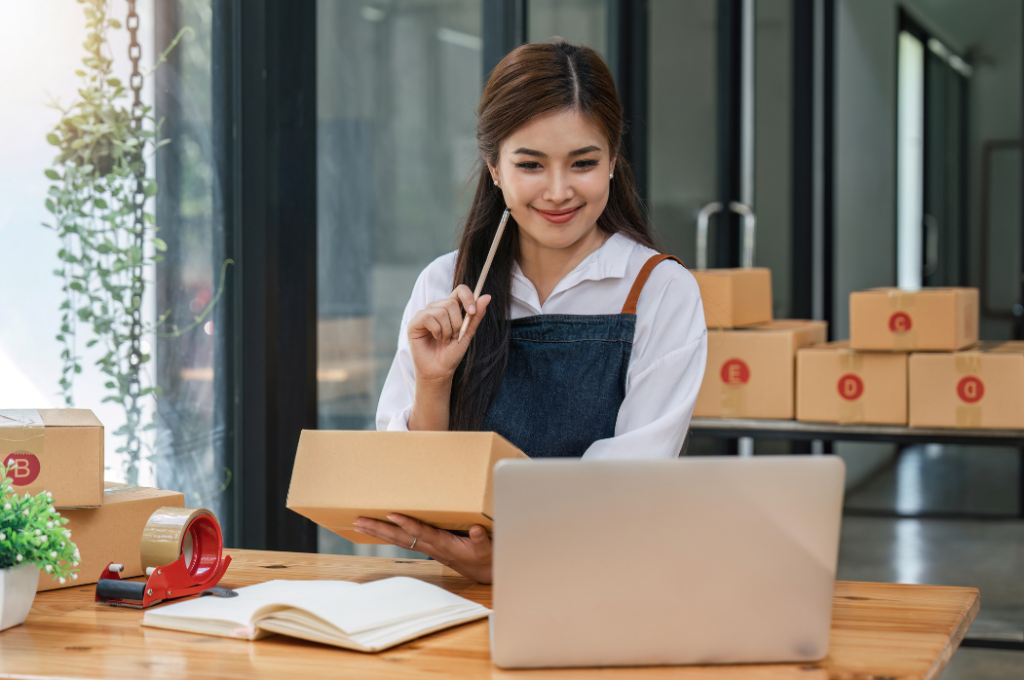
(192, 532)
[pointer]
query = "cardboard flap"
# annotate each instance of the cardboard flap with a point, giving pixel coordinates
(69, 417)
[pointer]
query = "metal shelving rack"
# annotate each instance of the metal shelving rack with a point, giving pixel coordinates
(800, 431)
(794, 430)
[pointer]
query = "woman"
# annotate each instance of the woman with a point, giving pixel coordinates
(581, 345)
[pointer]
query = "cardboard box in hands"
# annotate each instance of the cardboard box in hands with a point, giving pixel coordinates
(440, 478)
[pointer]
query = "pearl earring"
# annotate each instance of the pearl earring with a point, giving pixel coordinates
(611, 174)
(495, 182)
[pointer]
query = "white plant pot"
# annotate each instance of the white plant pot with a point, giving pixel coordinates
(17, 592)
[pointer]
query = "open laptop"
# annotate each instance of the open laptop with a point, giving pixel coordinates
(690, 561)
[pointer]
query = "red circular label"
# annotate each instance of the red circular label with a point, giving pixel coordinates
(970, 389)
(900, 322)
(25, 470)
(850, 387)
(735, 372)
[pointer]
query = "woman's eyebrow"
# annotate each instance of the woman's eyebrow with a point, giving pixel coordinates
(584, 150)
(530, 152)
(540, 154)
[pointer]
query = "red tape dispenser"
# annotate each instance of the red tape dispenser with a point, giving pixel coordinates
(181, 554)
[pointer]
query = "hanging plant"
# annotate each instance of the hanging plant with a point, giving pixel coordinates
(108, 237)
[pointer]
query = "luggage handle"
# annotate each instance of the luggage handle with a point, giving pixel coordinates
(749, 229)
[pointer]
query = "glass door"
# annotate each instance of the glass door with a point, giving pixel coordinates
(945, 159)
(398, 83)
(931, 182)
(683, 121)
(720, 130)
(720, 137)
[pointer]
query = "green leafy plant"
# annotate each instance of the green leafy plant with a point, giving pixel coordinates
(32, 532)
(99, 200)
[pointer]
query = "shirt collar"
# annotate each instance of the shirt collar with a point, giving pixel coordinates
(607, 262)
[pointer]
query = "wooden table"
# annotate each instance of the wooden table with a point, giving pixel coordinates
(879, 631)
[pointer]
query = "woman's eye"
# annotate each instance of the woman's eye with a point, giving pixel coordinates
(585, 164)
(528, 165)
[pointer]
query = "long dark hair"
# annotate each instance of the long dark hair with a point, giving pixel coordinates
(531, 81)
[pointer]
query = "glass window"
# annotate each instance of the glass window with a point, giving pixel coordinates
(773, 146)
(190, 452)
(168, 434)
(583, 22)
(683, 119)
(397, 90)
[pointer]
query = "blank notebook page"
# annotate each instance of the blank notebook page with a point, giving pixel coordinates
(350, 607)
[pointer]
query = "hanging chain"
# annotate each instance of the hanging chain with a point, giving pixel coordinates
(138, 285)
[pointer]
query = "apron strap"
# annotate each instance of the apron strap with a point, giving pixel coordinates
(641, 279)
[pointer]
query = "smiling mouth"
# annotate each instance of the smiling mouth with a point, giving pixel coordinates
(559, 216)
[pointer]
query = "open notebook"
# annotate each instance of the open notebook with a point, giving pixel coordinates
(367, 617)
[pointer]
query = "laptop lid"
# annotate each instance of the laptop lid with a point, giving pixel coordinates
(689, 561)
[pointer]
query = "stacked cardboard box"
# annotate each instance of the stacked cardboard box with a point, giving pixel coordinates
(981, 387)
(750, 364)
(836, 384)
(866, 379)
(734, 298)
(750, 372)
(55, 450)
(61, 451)
(112, 532)
(930, 320)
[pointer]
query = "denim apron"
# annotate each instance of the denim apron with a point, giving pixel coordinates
(566, 378)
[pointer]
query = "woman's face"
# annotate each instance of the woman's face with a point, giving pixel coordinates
(553, 172)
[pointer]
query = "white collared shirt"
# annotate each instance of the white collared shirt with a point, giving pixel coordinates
(669, 346)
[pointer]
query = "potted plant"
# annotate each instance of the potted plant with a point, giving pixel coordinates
(32, 537)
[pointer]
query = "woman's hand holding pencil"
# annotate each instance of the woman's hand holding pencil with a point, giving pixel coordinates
(432, 330)
(439, 336)
(433, 333)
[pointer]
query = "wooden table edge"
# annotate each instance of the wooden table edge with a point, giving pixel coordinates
(953, 643)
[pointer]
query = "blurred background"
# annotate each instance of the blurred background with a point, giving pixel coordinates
(326, 148)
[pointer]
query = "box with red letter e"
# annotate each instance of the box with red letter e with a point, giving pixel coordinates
(750, 371)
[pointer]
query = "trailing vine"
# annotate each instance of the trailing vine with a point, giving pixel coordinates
(99, 200)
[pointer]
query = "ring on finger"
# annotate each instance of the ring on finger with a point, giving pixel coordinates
(414, 539)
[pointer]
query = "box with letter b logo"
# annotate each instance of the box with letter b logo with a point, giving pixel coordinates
(55, 450)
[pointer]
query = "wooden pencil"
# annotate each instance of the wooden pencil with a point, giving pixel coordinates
(487, 268)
